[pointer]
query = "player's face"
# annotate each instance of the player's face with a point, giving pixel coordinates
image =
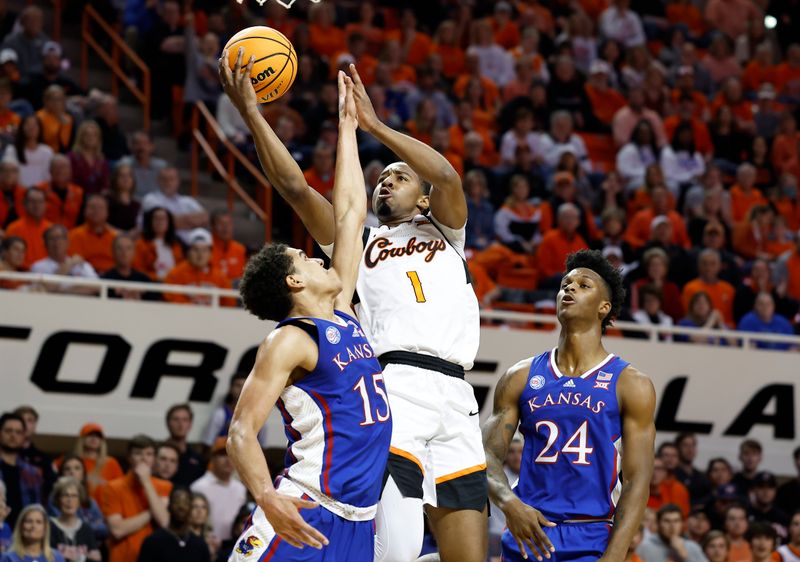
(398, 193)
(311, 272)
(582, 295)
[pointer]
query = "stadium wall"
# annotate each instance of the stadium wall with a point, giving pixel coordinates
(123, 363)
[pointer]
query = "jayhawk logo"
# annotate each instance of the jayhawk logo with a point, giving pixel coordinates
(246, 546)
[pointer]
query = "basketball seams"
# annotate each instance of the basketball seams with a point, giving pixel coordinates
(280, 76)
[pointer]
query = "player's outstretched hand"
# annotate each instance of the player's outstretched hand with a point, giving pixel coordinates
(367, 118)
(236, 82)
(347, 104)
(283, 513)
(525, 525)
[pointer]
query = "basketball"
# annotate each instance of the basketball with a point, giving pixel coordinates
(275, 64)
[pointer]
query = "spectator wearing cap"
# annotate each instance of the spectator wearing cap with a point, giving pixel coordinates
(32, 226)
(558, 243)
(64, 197)
(22, 480)
(227, 255)
(136, 503)
(788, 497)
(90, 167)
(28, 42)
(225, 494)
(30, 452)
(58, 126)
(665, 490)
(146, 167)
(52, 73)
(186, 211)
(763, 319)
(93, 239)
(764, 540)
(763, 504)
(179, 420)
(721, 292)
(627, 119)
(735, 527)
(30, 153)
(605, 101)
(641, 224)
(197, 270)
(791, 550)
(123, 252)
(668, 544)
(175, 542)
(100, 468)
(690, 476)
(11, 194)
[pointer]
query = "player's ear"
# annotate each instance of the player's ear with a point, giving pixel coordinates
(605, 308)
(423, 203)
(295, 282)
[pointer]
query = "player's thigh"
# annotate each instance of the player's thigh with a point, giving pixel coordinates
(259, 541)
(582, 542)
(350, 541)
(456, 452)
(461, 534)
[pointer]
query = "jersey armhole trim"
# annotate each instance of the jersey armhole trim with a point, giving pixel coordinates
(446, 239)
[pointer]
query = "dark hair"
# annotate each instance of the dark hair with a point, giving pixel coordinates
(216, 214)
(682, 127)
(667, 509)
(50, 230)
(715, 460)
(19, 139)
(139, 442)
(147, 225)
(750, 444)
(594, 260)
(263, 288)
(73, 457)
(115, 172)
(665, 445)
(796, 454)
(635, 133)
(733, 506)
(6, 243)
(10, 416)
(175, 407)
(684, 435)
(653, 291)
(169, 445)
(761, 529)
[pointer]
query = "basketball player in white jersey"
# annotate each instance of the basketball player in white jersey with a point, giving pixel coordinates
(421, 315)
(790, 552)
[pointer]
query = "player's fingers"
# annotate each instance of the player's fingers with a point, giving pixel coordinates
(355, 75)
(541, 540)
(521, 546)
(312, 537)
(533, 547)
(341, 84)
(304, 504)
(545, 521)
(224, 67)
(237, 67)
(291, 539)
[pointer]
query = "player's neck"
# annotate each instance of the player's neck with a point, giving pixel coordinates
(579, 350)
(399, 220)
(320, 306)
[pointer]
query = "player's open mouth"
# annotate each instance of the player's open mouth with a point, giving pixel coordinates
(567, 300)
(384, 193)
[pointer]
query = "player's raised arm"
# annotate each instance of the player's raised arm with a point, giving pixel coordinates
(447, 200)
(524, 522)
(285, 350)
(283, 172)
(637, 399)
(349, 196)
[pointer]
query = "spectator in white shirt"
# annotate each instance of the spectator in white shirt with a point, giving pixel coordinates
(29, 153)
(634, 158)
(494, 61)
(225, 494)
(650, 313)
(231, 121)
(561, 139)
(145, 166)
(58, 262)
(682, 164)
(621, 24)
(187, 212)
(521, 133)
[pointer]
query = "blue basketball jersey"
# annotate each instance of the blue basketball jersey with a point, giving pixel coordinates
(573, 439)
(337, 417)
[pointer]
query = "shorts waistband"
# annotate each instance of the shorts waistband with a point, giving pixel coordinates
(346, 511)
(427, 362)
(589, 520)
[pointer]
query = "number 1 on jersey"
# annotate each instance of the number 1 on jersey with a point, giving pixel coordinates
(417, 285)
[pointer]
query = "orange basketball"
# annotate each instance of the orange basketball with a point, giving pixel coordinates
(275, 64)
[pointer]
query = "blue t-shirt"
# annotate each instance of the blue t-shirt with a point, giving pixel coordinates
(13, 557)
(5, 537)
(750, 322)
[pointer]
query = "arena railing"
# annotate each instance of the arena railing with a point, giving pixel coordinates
(90, 23)
(654, 333)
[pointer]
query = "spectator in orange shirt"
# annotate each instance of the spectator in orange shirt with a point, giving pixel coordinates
(327, 38)
(685, 87)
(416, 46)
(440, 141)
(57, 123)
(158, 251)
(751, 237)
(557, 244)
(366, 27)
(64, 198)
(424, 122)
(640, 226)
(197, 270)
(760, 69)
(392, 59)
(686, 13)
(668, 455)
(788, 73)
(604, 99)
(686, 114)
(445, 44)
(732, 95)
(227, 255)
(785, 156)
(793, 272)
(529, 47)
(135, 503)
(744, 195)
(32, 226)
(506, 30)
(763, 540)
(92, 450)
(665, 491)
(320, 174)
(491, 93)
(732, 17)
(735, 527)
(11, 194)
(94, 239)
(9, 121)
(721, 292)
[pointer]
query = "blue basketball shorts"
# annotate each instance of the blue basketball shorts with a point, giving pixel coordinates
(574, 542)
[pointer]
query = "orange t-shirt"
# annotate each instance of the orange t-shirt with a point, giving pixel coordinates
(413, 131)
(638, 232)
(551, 256)
(420, 46)
(55, 133)
(700, 102)
(670, 491)
(687, 14)
(491, 93)
(404, 73)
(145, 256)
(721, 294)
(18, 196)
(482, 282)
(507, 36)
(125, 496)
(327, 40)
(742, 110)
(322, 184)
(96, 482)
(61, 211)
(93, 247)
(33, 234)
(185, 274)
(9, 119)
(373, 35)
(787, 79)
(700, 135)
(742, 202)
(740, 552)
(605, 104)
(641, 200)
(744, 240)
(229, 258)
(755, 74)
(793, 265)
(785, 153)
(453, 59)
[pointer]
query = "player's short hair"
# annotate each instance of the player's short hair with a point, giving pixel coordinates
(594, 260)
(263, 288)
(751, 445)
(667, 509)
(760, 529)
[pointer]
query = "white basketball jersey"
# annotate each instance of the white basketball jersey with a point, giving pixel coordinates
(414, 292)
(789, 554)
